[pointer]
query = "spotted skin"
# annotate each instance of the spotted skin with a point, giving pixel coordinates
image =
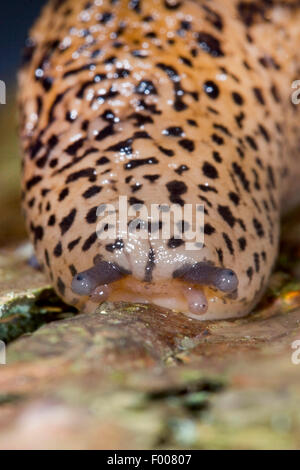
(164, 102)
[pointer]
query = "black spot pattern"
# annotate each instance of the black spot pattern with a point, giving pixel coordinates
(176, 190)
(67, 221)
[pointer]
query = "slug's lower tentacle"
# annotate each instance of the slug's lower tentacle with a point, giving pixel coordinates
(197, 301)
(100, 294)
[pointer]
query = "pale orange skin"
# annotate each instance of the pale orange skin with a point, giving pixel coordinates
(240, 147)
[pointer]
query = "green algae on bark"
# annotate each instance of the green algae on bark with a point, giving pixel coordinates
(27, 301)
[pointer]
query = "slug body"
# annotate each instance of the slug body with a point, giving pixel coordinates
(164, 102)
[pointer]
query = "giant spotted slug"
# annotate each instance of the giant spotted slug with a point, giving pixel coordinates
(165, 102)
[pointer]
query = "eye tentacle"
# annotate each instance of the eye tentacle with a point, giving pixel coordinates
(102, 273)
(222, 279)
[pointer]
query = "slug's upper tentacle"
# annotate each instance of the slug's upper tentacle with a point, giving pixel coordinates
(202, 273)
(102, 273)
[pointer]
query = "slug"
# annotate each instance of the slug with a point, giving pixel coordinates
(164, 102)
